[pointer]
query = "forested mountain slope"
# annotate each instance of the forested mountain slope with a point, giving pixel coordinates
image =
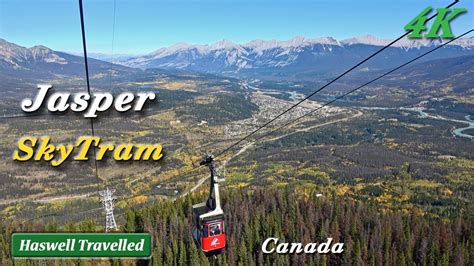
(371, 235)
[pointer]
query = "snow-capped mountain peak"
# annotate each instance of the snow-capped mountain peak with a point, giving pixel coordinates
(298, 52)
(366, 39)
(298, 41)
(224, 44)
(405, 42)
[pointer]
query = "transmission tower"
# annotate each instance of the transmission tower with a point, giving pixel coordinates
(108, 203)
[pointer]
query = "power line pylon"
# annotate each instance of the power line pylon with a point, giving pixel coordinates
(108, 203)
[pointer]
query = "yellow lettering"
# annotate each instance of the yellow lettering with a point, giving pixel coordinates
(120, 155)
(41, 149)
(45, 150)
(25, 148)
(65, 152)
(82, 156)
(103, 149)
(148, 150)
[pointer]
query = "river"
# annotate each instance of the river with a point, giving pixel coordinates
(419, 109)
(458, 132)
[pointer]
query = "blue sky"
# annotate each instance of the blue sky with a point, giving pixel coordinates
(144, 26)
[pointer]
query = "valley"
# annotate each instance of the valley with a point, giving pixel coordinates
(400, 157)
(236, 133)
(402, 143)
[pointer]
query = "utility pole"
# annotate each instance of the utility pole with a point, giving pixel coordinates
(108, 203)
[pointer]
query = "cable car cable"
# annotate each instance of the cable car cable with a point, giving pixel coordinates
(323, 87)
(113, 41)
(365, 84)
(86, 65)
(278, 116)
(361, 86)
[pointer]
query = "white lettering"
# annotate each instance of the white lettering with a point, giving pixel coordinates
(282, 248)
(140, 245)
(27, 105)
(80, 102)
(337, 248)
(310, 248)
(297, 248)
(265, 243)
(142, 97)
(58, 102)
(99, 102)
(82, 242)
(123, 101)
(25, 245)
(324, 247)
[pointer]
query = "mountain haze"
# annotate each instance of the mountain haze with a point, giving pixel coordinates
(298, 57)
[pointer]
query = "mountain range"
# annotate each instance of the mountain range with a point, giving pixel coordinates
(42, 63)
(299, 57)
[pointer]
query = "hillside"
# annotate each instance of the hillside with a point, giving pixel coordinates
(437, 78)
(19, 64)
(371, 235)
(448, 76)
(387, 143)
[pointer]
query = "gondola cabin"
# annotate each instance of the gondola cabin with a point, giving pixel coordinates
(209, 226)
(209, 230)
